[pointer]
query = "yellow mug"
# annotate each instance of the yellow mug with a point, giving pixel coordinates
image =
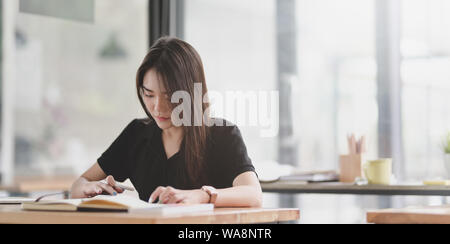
(378, 171)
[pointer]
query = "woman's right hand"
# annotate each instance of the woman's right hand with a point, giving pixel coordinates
(107, 186)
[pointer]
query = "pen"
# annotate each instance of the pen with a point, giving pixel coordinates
(349, 143)
(353, 145)
(363, 147)
(120, 185)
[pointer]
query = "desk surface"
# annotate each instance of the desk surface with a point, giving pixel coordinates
(12, 214)
(411, 215)
(348, 188)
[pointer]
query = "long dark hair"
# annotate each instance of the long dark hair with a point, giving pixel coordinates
(179, 66)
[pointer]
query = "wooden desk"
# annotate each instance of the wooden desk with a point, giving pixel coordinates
(12, 214)
(411, 215)
(348, 188)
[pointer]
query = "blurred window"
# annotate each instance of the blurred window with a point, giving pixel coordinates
(75, 86)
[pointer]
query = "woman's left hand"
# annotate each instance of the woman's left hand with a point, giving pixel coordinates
(170, 195)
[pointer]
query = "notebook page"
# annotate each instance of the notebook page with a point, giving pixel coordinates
(131, 202)
(74, 202)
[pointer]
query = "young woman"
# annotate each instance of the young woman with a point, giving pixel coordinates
(196, 163)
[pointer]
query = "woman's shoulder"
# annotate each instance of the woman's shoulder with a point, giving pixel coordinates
(143, 122)
(141, 127)
(220, 124)
(223, 129)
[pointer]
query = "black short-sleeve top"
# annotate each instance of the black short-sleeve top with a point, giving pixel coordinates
(138, 154)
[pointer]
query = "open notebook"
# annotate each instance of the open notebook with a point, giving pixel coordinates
(119, 203)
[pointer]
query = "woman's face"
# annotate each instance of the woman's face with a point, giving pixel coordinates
(156, 100)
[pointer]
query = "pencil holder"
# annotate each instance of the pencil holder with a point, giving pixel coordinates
(350, 167)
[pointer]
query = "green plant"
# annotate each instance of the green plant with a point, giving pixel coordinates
(446, 144)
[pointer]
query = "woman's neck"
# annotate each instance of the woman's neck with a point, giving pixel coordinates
(173, 133)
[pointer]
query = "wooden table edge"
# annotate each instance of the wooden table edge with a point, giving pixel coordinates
(219, 216)
(384, 217)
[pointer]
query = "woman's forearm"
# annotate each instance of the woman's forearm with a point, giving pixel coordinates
(240, 196)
